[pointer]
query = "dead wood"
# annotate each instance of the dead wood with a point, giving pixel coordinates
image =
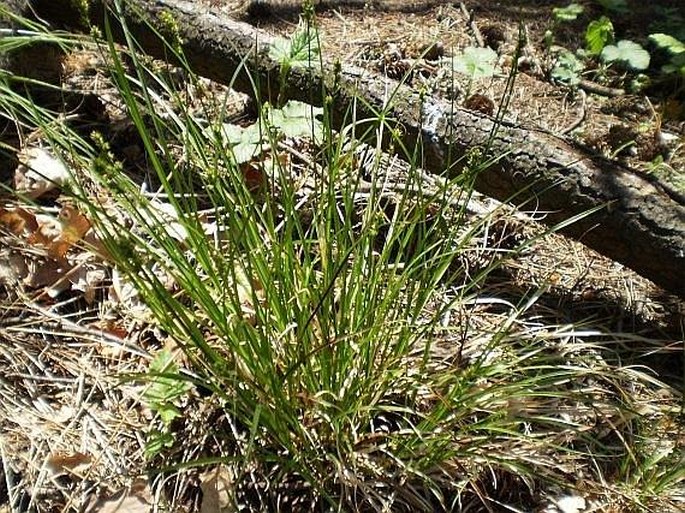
(641, 223)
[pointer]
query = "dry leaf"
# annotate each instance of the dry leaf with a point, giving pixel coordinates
(124, 293)
(39, 171)
(18, 221)
(111, 327)
(50, 273)
(136, 500)
(13, 268)
(48, 229)
(248, 290)
(63, 415)
(87, 276)
(87, 279)
(62, 463)
(74, 226)
(96, 246)
(123, 504)
(253, 175)
(59, 235)
(217, 491)
(571, 504)
(166, 216)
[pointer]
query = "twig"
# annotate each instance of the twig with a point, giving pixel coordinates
(67, 327)
(472, 25)
(581, 117)
(595, 88)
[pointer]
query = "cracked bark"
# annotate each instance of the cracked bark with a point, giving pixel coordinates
(640, 222)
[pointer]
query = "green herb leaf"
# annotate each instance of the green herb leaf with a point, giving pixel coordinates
(677, 65)
(248, 144)
(280, 50)
(476, 62)
(598, 34)
(301, 49)
(244, 142)
(568, 13)
(568, 69)
(297, 119)
(668, 43)
(675, 48)
(165, 387)
(627, 52)
(157, 441)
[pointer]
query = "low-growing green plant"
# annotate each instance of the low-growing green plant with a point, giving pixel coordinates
(676, 51)
(561, 15)
(300, 50)
(294, 119)
(625, 55)
(568, 68)
(599, 33)
(164, 389)
(475, 63)
(568, 13)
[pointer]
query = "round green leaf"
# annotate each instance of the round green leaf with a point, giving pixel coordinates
(668, 43)
(476, 62)
(627, 52)
(568, 13)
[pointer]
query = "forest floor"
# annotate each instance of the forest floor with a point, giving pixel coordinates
(72, 432)
(643, 129)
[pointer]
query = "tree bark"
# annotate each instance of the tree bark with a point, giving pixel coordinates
(637, 221)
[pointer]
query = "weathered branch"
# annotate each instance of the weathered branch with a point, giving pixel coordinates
(641, 224)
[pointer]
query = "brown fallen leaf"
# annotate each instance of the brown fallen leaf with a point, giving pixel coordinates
(59, 463)
(18, 221)
(137, 499)
(39, 172)
(74, 226)
(13, 268)
(87, 276)
(48, 274)
(48, 229)
(217, 491)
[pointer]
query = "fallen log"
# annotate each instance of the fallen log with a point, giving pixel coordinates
(641, 222)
